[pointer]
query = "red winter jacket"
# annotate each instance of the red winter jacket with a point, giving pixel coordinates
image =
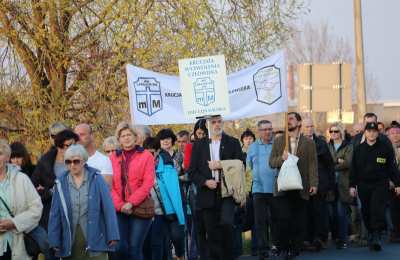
(141, 170)
(187, 154)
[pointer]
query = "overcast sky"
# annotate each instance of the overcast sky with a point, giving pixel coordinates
(381, 28)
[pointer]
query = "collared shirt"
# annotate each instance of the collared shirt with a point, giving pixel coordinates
(79, 202)
(294, 142)
(215, 145)
(258, 161)
(5, 193)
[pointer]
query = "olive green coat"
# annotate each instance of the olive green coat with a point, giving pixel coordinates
(344, 152)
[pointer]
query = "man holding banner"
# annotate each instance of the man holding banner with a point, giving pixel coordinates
(292, 204)
(217, 213)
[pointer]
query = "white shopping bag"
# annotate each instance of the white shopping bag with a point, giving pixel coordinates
(289, 177)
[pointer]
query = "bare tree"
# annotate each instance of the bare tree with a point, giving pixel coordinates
(318, 44)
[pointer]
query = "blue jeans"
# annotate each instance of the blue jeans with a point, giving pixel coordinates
(132, 232)
(162, 232)
(192, 247)
(39, 234)
(176, 233)
(343, 216)
(156, 243)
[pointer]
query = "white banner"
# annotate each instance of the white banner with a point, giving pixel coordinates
(156, 99)
(204, 86)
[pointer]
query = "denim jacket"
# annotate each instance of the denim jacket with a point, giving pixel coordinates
(102, 226)
(257, 160)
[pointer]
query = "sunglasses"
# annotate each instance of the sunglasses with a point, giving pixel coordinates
(66, 145)
(334, 131)
(109, 151)
(76, 162)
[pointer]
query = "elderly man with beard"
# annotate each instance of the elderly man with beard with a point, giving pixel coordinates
(292, 205)
(217, 213)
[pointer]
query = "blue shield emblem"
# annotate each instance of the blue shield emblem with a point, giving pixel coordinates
(267, 83)
(148, 95)
(204, 91)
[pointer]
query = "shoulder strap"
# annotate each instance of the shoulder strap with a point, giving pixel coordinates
(158, 195)
(62, 198)
(6, 206)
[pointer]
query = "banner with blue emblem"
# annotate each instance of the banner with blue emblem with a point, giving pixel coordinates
(204, 86)
(261, 89)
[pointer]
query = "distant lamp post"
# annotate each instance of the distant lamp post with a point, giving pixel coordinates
(359, 55)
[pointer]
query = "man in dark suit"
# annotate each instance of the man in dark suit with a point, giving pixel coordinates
(217, 213)
(318, 216)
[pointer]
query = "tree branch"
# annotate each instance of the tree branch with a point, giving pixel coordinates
(89, 29)
(24, 52)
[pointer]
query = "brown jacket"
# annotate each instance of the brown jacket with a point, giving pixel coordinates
(307, 163)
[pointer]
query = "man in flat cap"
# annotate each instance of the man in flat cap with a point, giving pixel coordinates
(372, 168)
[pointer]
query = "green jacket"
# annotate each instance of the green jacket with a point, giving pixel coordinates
(344, 152)
(307, 163)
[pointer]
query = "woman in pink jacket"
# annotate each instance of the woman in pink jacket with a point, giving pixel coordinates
(133, 178)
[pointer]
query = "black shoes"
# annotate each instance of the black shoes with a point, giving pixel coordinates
(341, 245)
(264, 256)
(375, 242)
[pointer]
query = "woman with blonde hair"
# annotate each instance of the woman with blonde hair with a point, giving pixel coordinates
(133, 178)
(341, 151)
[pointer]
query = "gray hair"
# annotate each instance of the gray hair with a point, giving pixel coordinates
(56, 128)
(76, 150)
(263, 122)
(5, 148)
(143, 130)
(111, 140)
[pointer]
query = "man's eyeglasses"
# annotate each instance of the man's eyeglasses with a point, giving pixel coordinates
(213, 122)
(76, 162)
(334, 131)
(264, 129)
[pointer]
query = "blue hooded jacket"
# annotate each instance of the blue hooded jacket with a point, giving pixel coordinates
(168, 184)
(102, 226)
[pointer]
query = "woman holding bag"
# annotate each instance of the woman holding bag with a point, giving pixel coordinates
(133, 178)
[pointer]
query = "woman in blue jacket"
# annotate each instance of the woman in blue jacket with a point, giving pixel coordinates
(82, 222)
(168, 223)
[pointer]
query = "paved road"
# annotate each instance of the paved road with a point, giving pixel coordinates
(390, 252)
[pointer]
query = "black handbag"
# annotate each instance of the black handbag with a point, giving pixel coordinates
(31, 246)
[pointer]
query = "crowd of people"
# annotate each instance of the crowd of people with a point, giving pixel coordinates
(192, 195)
